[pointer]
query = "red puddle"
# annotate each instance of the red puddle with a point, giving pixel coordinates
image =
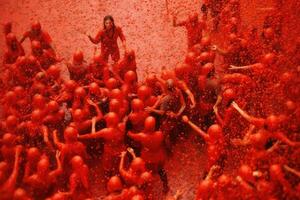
(148, 30)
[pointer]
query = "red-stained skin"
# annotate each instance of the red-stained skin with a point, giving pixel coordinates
(43, 179)
(108, 38)
(14, 49)
(113, 136)
(194, 28)
(214, 139)
(70, 147)
(37, 33)
(137, 115)
(7, 186)
(153, 150)
(136, 174)
(79, 184)
(127, 63)
(77, 67)
(145, 93)
(117, 191)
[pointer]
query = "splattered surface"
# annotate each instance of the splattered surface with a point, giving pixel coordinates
(146, 25)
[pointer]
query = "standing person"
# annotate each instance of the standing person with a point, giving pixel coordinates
(36, 33)
(108, 37)
(194, 28)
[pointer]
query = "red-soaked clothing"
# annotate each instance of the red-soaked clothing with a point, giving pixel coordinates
(44, 38)
(10, 56)
(109, 45)
(194, 32)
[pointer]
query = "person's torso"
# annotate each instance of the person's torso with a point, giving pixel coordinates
(109, 38)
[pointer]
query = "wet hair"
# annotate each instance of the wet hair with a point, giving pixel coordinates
(108, 17)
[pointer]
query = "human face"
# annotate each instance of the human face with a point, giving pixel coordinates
(108, 24)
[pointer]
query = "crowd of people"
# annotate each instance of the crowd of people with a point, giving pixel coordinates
(53, 130)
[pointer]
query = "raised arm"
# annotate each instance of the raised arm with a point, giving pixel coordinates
(188, 92)
(99, 134)
(10, 183)
(122, 171)
(253, 120)
(291, 170)
(216, 111)
(256, 65)
(220, 51)
(117, 76)
(200, 132)
(56, 140)
(25, 35)
(150, 109)
(131, 151)
(140, 137)
(280, 136)
(211, 171)
(45, 132)
(246, 139)
(59, 169)
(158, 101)
(183, 104)
(88, 123)
(97, 38)
(90, 102)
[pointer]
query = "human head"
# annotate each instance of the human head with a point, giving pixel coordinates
(53, 72)
(52, 106)
(11, 41)
(215, 131)
(137, 105)
(94, 88)
(77, 162)
(144, 92)
(114, 105)
(78, 115)
(20, 194)
(36, 47)
(79, 93)
(36, 27)
(149, 124)
(194, 17)
(170, 84)
(130, 55)
(7, 28)
(114, 184)
(43, 166)
(138, 165)
(78, 57)
(70, 134)
(11, 121)
(37, 116)
(111, 83)
(130, 77)
(108, 22)
(111, 119)
(8, 139)
(38, 101)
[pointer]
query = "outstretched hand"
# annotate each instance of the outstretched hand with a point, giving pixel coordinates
(185, 119)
